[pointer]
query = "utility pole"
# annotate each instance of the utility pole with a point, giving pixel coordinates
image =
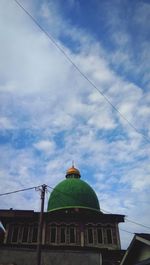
(40, 226)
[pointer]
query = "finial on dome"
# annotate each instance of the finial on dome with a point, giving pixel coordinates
(73, 172)
(73, 163)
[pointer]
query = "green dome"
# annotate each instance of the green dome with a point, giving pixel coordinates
(73, 193)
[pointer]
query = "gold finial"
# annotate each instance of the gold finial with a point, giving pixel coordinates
(73, 172)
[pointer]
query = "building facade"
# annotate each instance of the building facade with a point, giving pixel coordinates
(73, 226)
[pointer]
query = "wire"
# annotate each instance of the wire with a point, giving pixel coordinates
(126, 231)
(16, 191)
(78, 70)
(131, 221)
(128, 220)
(66, 194)
(72, 197)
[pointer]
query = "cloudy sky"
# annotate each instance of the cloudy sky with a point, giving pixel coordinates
(50, 114)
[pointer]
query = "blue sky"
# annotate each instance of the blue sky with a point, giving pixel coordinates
(50, 115)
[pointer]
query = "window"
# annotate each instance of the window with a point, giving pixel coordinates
(62, 234)
(109, 236)
(47, 234)
(53, 234)
(72, 235)
(99, 236)
(15, 234)
(25, 233)
(90, 235)
(34, 233)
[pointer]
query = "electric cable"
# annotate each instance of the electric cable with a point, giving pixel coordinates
(16, 191)
(128, 220)
(71, 196)
(124, 230)
(66, 194)
(131, 221)
(78, 70)
(26, 189)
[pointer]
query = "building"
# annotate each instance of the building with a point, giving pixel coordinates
(138, 252)
(75, 230)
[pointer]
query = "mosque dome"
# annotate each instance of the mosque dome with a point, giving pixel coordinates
(73, 193)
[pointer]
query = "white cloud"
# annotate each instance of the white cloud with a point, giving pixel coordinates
(6, 123)
(66, 118)
(45, 146)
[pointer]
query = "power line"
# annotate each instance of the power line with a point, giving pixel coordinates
(78, 70)
(131, 221)
(128, 220)
(66, 194)
(72, 197)
(16, 191)
(26, 189)
(126, 231)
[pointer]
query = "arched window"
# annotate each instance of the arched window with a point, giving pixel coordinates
(53, 233)
(63, 234)
(25, 233)
(99, 235)
(72, 234)
(109, 236)
(90, 235)
(34, 233)
(15, 233)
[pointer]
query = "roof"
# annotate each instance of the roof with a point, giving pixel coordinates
(138, 251)
(143, 235)
(69, 214)
(73, 193)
